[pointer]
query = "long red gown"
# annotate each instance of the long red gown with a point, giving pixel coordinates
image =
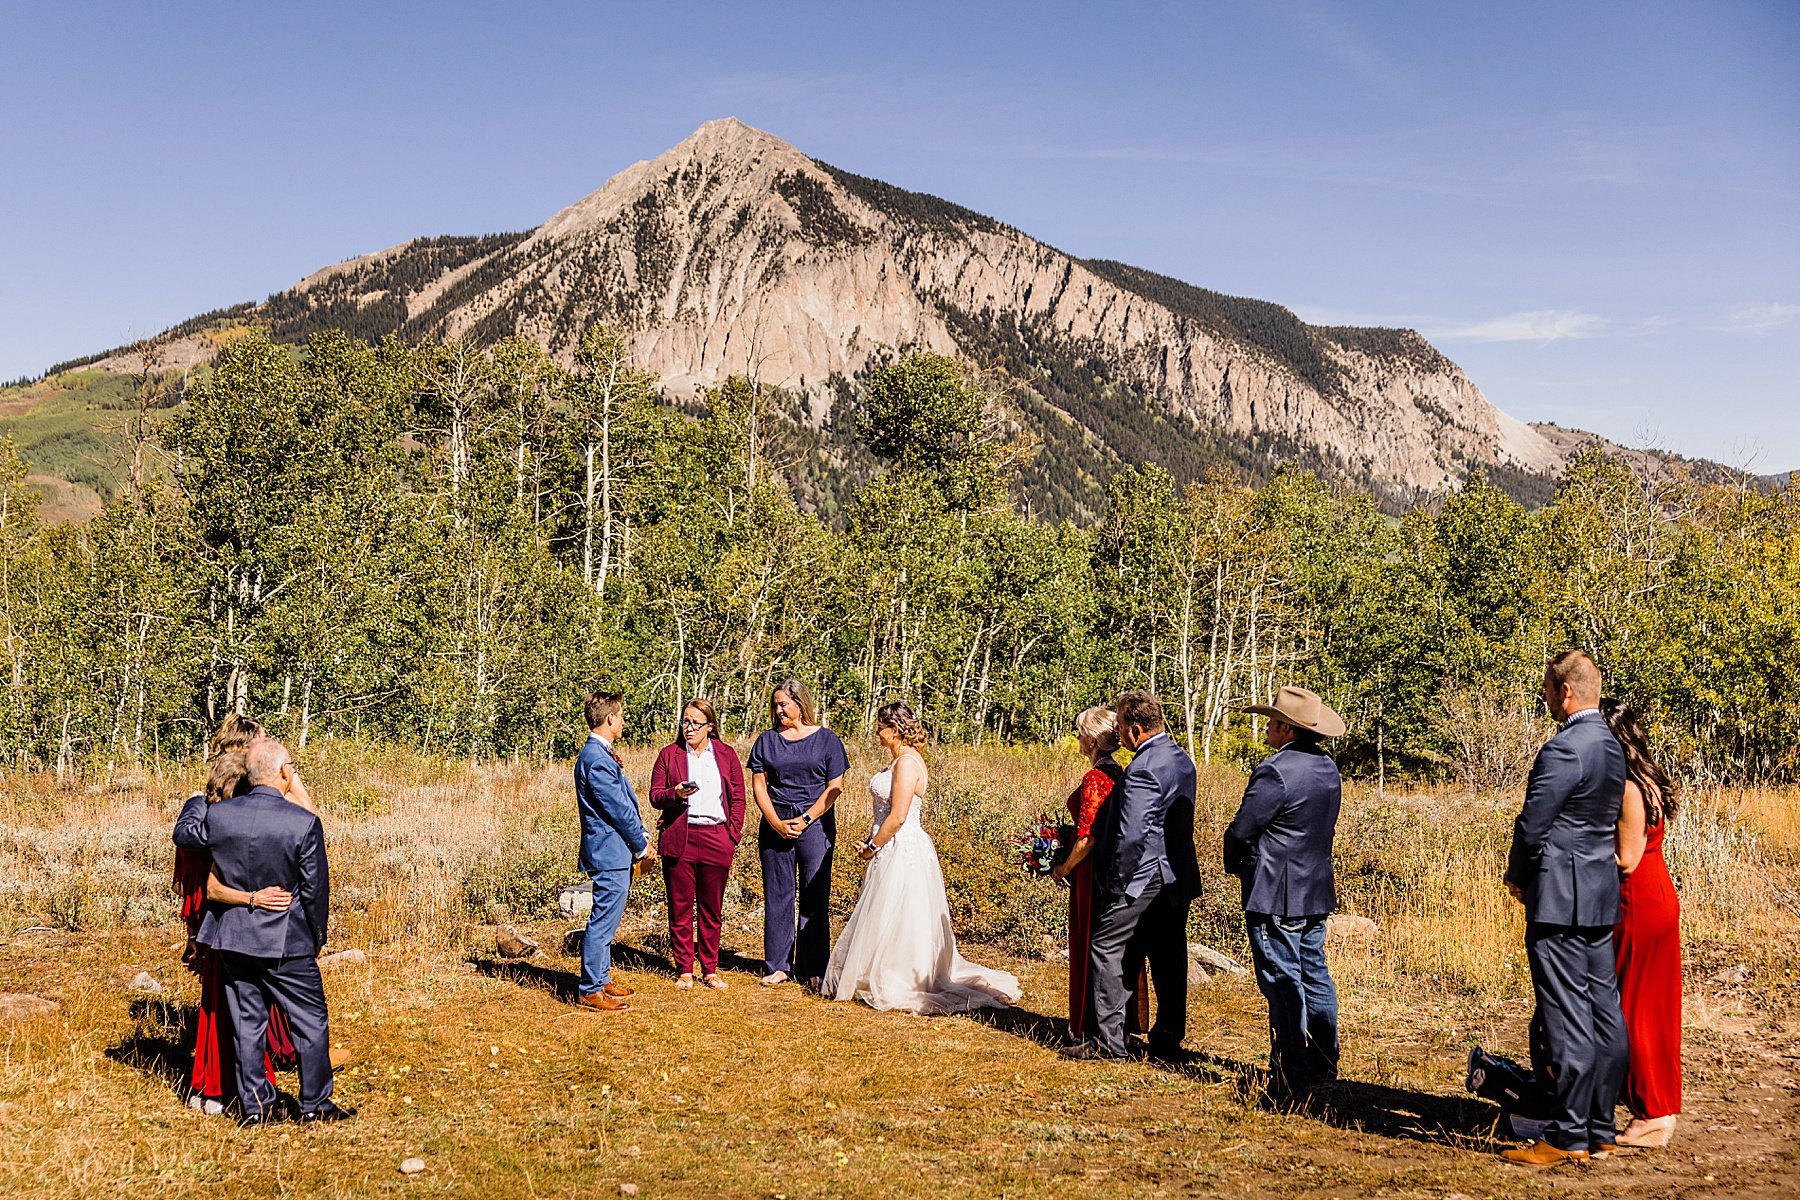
(1085, 804)
(214, 1061)
(1647, 943)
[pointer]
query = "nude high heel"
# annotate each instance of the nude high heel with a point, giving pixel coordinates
(1651, 1133)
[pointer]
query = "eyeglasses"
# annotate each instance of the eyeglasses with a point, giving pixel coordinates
(686, 723)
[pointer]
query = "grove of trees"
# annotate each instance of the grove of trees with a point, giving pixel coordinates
(445, 546)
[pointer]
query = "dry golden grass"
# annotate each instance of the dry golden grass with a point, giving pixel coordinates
(504, 1090)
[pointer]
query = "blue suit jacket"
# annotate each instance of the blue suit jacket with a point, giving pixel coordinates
(1563, 840)
(1279, 844)
(1151, 829)
(612, 832)
(258, 840)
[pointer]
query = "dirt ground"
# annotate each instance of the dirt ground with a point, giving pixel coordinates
(481, 1068)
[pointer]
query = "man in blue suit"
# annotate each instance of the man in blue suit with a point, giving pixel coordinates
(257, 840)
(1146, 878)
(1562, 867)
(612, 837)
(1279, 847)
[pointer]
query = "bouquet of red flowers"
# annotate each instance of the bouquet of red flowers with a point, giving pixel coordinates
(1043, 846)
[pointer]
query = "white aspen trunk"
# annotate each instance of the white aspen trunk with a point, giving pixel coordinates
(606, 510)
(587, 521)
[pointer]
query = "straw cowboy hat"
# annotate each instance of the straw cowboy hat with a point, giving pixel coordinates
(1303, 710)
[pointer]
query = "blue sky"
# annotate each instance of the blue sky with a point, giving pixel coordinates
(1594, 208)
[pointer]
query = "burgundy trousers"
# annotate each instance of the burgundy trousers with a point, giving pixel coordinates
(696, 883)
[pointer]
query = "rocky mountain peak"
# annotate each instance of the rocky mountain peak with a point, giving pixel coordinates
(735, 253)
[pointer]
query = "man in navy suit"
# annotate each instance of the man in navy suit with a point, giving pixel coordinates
(1146, 878)
(1562, 867)
(612, 837)
(257, 840)
(1279, 847)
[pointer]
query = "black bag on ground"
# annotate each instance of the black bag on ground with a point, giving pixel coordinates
(1514, 1088)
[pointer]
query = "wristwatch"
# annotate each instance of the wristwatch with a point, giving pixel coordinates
(807, 817)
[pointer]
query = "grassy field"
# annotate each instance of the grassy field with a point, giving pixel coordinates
(481, 1068)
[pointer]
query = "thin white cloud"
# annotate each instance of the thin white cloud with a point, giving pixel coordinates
(1545, 325)
(1758, 318)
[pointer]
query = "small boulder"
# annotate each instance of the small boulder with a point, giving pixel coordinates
(22, 1006)
(344, 958)
(1211, 961)
(628, 1189)
(411, 1166)
(510, 943)
(578, 901)
(1348, 927)
(145, 982)
(1733, 974)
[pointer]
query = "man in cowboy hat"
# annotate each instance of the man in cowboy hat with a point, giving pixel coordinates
(1279, 846)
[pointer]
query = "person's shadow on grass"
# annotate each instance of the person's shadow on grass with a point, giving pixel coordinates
(162, 1043)
(1353, 1104)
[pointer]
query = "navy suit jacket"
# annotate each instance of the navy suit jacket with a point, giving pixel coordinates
(1151, 830)
(1563, 842)
(257, 840)
(612, 832)
(1279, 844)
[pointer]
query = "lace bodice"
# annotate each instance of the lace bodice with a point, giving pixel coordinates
(881, 795)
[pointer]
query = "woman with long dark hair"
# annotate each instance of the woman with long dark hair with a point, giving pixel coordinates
(1647, 939)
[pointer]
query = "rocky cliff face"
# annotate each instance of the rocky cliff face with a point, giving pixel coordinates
(735, 253)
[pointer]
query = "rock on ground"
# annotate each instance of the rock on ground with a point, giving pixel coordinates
(146, 982)
(578, 901)
(411, 1166)
(1348, 927)
(1210, 962)
(344, 958)
(22, 1006)
(510, 943)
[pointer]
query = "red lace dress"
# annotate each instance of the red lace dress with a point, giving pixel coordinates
(1085, 805)
(1647, 945)
(214, 1062)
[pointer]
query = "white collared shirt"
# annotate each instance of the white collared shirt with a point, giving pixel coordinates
(706, 806)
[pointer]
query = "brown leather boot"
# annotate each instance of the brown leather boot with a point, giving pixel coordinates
(618, 991)
(1543, 1154)
(601, 1002)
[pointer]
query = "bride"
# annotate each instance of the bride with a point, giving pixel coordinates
(898, 951)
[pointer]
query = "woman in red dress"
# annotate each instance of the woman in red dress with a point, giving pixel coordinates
(1099, 738)
(1647, 939)
(208, 1088)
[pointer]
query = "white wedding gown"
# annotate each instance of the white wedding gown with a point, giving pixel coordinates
(897, 950)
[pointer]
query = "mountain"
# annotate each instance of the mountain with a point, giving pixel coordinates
(736, 253)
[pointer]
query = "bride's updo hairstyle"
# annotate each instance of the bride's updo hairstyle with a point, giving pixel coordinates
(899, 717)
(1101, 724)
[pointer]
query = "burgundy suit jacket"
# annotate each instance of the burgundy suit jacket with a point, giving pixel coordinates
(670, 771)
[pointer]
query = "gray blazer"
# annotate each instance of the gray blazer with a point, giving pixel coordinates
(1155, 798)
(262, 839)
(1564, 838)
(1279, 844)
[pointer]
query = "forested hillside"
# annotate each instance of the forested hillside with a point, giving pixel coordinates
(445, 546)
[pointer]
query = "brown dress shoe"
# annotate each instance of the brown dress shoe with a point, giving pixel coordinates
(601, 1002)
(618, 991)
(1543, 1154)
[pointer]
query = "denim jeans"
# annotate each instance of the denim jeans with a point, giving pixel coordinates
(1289, 955)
